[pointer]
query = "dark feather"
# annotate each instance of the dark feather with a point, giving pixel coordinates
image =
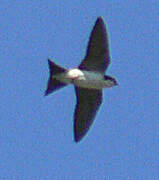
(97, 56)
(54, 84)
(88, 103)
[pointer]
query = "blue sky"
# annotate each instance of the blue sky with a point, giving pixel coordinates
(36, 132)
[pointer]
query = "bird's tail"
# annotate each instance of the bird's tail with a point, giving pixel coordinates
(54, 84)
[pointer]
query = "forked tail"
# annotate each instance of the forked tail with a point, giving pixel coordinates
(54, 84)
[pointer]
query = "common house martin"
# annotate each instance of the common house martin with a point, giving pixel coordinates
(88, 79)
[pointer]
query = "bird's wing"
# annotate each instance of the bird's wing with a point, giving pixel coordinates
(88, 103)
(97, 57)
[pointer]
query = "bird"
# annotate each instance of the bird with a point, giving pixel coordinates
(88, 78)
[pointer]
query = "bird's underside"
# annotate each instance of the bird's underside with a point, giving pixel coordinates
(88, 92)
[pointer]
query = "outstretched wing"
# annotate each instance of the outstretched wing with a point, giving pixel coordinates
(88, 103)
(97, 57)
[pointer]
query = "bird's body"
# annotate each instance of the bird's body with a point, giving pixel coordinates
(85, 79)
(88, 79)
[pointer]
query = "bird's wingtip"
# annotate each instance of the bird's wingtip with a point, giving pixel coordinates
(77, 138)
(99, 18)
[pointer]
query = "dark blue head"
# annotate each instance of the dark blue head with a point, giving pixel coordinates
(111, 79)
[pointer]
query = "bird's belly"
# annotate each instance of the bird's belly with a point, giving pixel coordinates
(90, 84)
(91, 80)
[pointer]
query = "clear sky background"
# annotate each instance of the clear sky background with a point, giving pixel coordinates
(36, 132)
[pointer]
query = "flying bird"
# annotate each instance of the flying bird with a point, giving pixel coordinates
(88, 79)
